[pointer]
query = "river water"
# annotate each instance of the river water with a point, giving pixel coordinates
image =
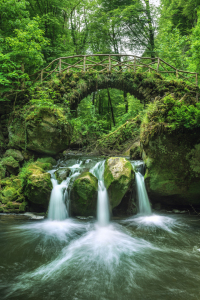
(153, 256)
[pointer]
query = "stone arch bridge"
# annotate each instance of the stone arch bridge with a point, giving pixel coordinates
(75, 77)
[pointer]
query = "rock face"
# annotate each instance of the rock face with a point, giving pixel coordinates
(46, 132)
(118, 178)
(38, 186)
(84, 195)
(173, 168)
(171, 152)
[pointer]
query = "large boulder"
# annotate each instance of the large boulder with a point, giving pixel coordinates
(170, 141)
(84, 195)
(118, 178)
(37, 183)
(45, 131)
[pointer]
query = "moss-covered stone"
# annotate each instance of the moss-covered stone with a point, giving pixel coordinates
(11, 165)
(84, 195)
(16, 154)
(43, 130)
(171, 153)
(11, 195)
(135, 151)
(37, 184)
(118, 178)
(62, 174)
(49, 160)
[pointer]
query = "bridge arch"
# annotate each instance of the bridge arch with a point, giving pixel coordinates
(75, 86)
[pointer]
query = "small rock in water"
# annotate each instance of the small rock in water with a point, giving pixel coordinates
(33, 217)
(176, 211)
(183, 212)
(81, 218)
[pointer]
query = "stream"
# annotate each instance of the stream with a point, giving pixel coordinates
(146, 256)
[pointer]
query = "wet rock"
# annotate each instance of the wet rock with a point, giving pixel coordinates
(84, 195)
(118, 178)
(62, 174)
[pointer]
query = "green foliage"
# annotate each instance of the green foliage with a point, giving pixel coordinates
(173, 114)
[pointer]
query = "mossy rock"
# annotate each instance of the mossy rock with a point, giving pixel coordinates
(173, 168)
(135, 151)
(118, 178)
(45, 131)
(49, 160)
(62, 174)
(11, 165)
(38, 186)
(16, 154)
(84, 195)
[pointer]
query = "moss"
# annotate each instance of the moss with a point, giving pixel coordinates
(22, 207)
(11, 164)
(49, 160)
(16, 154)
(2, 171)
(118, 178)
(10, 193)
(84, 194)
(37, 185)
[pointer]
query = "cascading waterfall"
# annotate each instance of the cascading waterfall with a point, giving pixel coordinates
(143, 199)
(103, 214)
(58, 210)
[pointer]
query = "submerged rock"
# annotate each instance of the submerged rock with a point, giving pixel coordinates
(84, 195)
(118, 178)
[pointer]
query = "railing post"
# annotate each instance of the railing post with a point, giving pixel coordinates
(60, 66)
(158, 64)
(109, 67)
(41, 78)
(84, 60)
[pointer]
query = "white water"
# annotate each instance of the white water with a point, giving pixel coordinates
(103, 214)
(144, 206)
(60, 198)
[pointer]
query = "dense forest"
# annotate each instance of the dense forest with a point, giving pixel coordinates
(33, 33)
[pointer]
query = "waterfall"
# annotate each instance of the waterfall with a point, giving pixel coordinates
(143, 199)
(103, 214)
(58, 210)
